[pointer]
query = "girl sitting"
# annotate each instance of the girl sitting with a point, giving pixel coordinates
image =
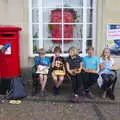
(58, 70)
(74, 67)
(108, 76)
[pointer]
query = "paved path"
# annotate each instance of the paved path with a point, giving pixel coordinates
(60, 108)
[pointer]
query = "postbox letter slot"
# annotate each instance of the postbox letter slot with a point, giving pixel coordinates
(7, 35)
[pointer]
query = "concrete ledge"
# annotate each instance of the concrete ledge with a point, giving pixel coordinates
(27, 76)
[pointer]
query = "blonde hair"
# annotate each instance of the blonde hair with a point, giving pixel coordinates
(73, 51)
(103, 56)
(41, 50)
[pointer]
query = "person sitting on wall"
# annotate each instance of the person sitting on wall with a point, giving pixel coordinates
(108, 76)
(42, 67)
(91, 67)
(58, 70)
(74, 67)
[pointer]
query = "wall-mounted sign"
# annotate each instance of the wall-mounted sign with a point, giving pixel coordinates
(113, 38)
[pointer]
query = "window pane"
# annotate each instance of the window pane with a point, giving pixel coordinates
(49, 45)
(52, 31)
(52, 15)
(73, 3)
(89, 3)
(35, 15)
(89, 15)
(46, 31)
(88, 43)
(73, 30)
(35, 30)
(52, 3)
(89, 31)
(35, 3)
(78, 31)
(75, 43)
(72, 15)
(68, 31)
(35, 46)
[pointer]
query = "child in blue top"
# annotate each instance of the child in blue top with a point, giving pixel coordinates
(90, 67)
(42, 62)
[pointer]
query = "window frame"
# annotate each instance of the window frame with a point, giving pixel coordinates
(84, 23)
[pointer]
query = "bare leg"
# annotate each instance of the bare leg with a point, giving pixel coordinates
(41, 79)
(54, 78)
(44, 82)
(61, 79)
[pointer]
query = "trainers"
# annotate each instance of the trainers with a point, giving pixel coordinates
(89, 95)
(103, 95)
(34, 91)
(75, 98)
(56, 91)
(110, 94)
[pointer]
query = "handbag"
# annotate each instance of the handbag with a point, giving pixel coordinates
(100, 81)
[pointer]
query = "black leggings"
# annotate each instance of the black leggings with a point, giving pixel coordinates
(89, 79)
(108, 80)
(76, 83)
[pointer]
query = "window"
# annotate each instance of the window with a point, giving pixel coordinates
(63, 23)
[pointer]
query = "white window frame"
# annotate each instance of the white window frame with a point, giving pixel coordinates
(84, 40)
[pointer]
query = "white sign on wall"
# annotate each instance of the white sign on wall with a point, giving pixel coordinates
(113, 38)
(113, 31)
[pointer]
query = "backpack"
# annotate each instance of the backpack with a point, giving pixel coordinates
(17, 90)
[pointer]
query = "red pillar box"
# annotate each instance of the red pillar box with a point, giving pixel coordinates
(9, 55)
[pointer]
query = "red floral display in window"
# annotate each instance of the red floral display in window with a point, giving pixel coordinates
(56, 29)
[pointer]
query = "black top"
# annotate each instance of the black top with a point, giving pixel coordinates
(59, 63)
(74, 62)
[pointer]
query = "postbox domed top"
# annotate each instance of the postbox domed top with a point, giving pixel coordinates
(10, 28)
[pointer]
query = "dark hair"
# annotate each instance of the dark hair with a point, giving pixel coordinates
(57, 49)
(90, 48)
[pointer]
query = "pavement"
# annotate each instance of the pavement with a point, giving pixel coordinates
(60, 108)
